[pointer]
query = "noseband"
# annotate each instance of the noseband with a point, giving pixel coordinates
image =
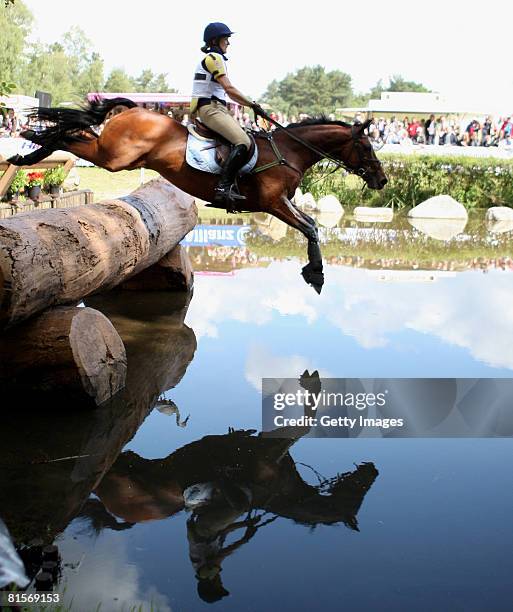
(359, 169)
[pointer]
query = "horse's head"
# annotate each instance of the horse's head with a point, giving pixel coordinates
(361, 159)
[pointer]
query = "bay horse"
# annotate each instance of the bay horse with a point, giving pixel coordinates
(138, 138)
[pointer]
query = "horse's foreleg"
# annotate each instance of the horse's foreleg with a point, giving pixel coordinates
(313, 271)
(306, 217)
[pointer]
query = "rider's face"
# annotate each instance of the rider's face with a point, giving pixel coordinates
(224, 41)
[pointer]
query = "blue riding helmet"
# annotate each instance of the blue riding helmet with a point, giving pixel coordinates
(216, 30)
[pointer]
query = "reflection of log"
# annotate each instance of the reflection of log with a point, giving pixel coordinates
(60, 256)
(39, 497)
(172, 273)
(74, 350)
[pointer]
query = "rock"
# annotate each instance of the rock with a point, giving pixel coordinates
(328, 219)
(298, 194)
(439, 207)
(499, 213)
(369, 213)
(500, 227)
(307, 201)
(330, 204)
(439, 229)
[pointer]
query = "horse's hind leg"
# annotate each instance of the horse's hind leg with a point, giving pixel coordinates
(32, 158)
(313, 271)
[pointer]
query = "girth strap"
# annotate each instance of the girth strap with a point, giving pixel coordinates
(279, 161)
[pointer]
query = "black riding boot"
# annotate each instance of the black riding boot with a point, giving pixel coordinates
(224, 192)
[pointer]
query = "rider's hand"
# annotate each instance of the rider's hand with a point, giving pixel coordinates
(258, 109)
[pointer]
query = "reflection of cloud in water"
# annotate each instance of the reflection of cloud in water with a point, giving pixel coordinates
(262, 363)
(107, 576)
(248, 298)
(469, 310)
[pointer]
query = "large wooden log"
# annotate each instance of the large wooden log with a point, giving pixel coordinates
(61, 256)
(172, 273)
(74, 354)
(50, 462)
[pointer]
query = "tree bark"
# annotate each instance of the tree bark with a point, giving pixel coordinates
(74, 354)
(60, 256)
(172, 273)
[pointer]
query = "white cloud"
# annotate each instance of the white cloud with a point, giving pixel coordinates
(107, 576)
(261, 362)
(468, 310)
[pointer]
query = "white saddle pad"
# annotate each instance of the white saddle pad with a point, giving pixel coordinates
(200, 154)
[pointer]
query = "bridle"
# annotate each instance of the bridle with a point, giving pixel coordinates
(359, 169)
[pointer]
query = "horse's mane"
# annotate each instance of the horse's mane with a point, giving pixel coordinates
(320, 120)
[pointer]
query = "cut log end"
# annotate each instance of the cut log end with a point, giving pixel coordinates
(70, 356)
(99, 354)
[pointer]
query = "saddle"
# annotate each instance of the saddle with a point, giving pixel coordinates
(222, 146)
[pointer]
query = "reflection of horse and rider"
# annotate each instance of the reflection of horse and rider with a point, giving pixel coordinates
(139, 138)
(220, 479)
(236, 482)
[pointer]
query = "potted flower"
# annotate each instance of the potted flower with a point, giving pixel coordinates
(34, 182)
(17, 185)
(53, 179)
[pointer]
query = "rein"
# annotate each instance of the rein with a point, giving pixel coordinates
(361, 172)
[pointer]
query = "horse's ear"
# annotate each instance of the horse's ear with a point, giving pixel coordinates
(362, 126)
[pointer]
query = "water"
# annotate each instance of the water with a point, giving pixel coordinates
(422, 523)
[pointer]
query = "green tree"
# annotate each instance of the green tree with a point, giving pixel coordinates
(92, 78)
(119, 81)
(377, 90)
(15, 25)
(310, 90)
(147, 81)
(143, 81)
(159, 84)
(398, 83)
(85, 66)
(47, 69)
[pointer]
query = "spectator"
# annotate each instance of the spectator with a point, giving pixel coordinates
(430, 127)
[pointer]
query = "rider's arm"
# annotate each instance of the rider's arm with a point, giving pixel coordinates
(233, 92)
(214, 64)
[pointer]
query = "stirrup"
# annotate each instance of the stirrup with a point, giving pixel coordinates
(227, 197)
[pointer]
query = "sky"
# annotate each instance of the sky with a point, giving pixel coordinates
(455, 47)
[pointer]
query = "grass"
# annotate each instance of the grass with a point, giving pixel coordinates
(106, 185)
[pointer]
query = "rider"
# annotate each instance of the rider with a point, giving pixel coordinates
(209, 93)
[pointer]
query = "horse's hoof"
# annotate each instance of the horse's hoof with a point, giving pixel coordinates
(15, 160)
(315, 278)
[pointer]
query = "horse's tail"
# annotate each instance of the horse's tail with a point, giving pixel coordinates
(71, 124)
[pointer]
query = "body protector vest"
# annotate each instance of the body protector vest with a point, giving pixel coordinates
(205, 84)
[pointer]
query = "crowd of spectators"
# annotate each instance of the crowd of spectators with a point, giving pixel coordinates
(489, 132)
(441, 130)
(485, 264)
(11, 124)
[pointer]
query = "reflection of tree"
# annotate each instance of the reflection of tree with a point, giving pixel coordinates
(394, 246)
